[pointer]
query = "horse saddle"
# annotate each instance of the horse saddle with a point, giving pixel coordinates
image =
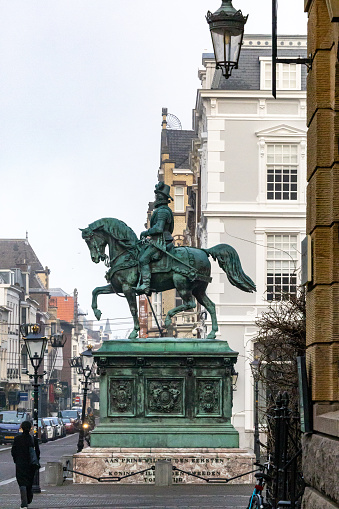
(164, 264)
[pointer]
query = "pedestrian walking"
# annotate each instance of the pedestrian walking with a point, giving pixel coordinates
(22, 456)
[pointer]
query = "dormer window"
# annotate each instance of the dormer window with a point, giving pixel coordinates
(288, 75)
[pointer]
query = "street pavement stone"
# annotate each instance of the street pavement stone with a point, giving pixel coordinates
(108, 496)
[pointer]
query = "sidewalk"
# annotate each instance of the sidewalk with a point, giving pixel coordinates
(124, 496)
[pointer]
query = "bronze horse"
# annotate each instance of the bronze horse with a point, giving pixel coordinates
(188, 270)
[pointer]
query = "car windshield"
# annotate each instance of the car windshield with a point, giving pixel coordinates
(70, 413)
(11, 417)
(66, 419)
(46, 421)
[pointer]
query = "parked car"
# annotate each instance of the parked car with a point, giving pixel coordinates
(49, 428)
(73, 415)
(63, 427)
(43, 434)
(10, 422)
(58, 427)
(69, 425)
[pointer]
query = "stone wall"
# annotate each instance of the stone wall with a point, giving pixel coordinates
(321, 449)
(320, 467)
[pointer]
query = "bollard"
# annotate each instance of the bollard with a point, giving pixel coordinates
(54, 473)
(163, 473)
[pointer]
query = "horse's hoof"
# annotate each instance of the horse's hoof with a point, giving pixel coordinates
(97, 313)
(134, 334)
(211, 335)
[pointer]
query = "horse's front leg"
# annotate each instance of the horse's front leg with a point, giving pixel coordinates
(132, 302)
(98, 291)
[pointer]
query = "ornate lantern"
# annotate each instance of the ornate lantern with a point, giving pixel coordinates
(227, 31)
(35, 343)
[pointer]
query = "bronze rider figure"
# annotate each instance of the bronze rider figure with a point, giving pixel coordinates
(160, 233)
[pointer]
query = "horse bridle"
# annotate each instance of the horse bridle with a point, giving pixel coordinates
(108, 262)
(91, 237)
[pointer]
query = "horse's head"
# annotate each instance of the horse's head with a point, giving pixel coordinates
(96, 244)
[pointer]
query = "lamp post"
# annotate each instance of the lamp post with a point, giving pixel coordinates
(227, 31)
(58, 340)
(255, 373)
(84, 365)
(36, 345)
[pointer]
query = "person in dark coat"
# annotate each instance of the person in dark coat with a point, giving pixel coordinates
(24, 472)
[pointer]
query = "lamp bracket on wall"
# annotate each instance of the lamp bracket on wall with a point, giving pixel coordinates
(284, 60)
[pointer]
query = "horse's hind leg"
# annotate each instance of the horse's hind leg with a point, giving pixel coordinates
(200, 295)
(186, 296)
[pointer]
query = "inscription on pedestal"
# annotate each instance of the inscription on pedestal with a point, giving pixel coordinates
(121, 396)
(165, 396)
(213, 464)
(209, 397)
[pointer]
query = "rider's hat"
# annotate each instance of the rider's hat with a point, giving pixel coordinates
(163, 189)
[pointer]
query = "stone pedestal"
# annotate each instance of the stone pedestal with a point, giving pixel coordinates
(207, 462)
(165, 392)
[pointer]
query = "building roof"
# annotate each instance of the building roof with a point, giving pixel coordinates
(18, 253)
(58, 292)
(65, 307)
(179, 144)
(247, 76)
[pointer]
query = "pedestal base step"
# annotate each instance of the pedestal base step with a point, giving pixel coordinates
(207, 462)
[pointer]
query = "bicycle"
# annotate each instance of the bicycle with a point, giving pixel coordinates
(257, 500)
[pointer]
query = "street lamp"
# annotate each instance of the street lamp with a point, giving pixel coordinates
(58, 340)
(84, 366)
(36, 345)
(234, 375)
(227, 31)
(255, 373)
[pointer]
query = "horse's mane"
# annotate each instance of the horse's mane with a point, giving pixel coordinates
(116, 228)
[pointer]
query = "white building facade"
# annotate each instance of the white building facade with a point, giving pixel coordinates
(14, 303)
(251, 153)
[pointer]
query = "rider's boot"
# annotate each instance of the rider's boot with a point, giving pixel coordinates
(146, 281)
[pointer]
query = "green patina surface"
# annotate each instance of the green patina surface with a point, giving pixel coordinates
(162, 392)
(154, 346)
(154, 264)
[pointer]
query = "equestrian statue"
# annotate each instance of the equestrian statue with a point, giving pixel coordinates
(154, 264)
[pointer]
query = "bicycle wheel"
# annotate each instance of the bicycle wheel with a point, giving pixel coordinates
(257, 502)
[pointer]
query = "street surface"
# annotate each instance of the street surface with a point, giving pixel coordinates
(112, 496)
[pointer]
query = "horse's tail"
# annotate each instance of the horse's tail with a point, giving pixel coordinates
(228, 260)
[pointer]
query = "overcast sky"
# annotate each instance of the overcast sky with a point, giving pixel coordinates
(82, 84)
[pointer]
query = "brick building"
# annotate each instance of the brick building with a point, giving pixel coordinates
(321, 448)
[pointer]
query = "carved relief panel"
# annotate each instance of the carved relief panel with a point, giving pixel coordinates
(208, 396)
(165, 396)
(121, 397)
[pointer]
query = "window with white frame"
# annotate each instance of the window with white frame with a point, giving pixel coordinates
(157, 307)
(179, 199)
(288, 76)
(282, 171)
(282, 256)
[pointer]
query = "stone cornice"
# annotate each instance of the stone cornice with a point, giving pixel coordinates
(251, 94)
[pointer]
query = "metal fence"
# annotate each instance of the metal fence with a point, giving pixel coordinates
(284, 449)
